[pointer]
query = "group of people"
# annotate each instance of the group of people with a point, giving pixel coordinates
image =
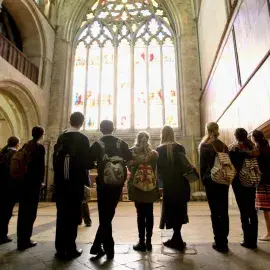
(74, 157)
(248, 198)
(24, 191)
(112, 157)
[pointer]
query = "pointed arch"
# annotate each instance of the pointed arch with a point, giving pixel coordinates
(120, 55)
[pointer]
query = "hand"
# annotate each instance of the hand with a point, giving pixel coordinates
(130, 163)
(42, 185)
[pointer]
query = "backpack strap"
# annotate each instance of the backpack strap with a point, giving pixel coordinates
(223, 150)
(118, 143)
(214, 148)
(101, 143)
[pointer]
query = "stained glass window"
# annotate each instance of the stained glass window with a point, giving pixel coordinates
(125, 66)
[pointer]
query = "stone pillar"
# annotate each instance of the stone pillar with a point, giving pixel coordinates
(59, 96)
(1, 1)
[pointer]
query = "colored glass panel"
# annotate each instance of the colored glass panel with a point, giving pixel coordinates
(107, 82)
(93, 83)
(140, 86)
(170, 89)
(124, 86)
(155, 87)
(79, 79)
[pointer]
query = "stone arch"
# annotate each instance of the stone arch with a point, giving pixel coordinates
(31, 30)
(19, 108)
(79, 11)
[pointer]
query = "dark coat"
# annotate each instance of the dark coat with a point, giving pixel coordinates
(80, 177)
(176, 189)
(5, 179)
(36, 168)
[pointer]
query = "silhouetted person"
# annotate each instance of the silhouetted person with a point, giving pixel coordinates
(30, 189)
(111, 151)
(217, 194)
(70, 174)
(263, 190)
(8, 188)
(142, 188)
(245, 196)
(176, 189)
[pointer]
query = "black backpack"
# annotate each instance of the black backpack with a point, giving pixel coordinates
(4, 162)
(65, 159)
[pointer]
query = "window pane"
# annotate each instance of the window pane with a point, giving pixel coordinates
(140, 87)
(123, 86)
(155, 89)
(107, 82)
(93, 87)
(170, 92)
(79, 79)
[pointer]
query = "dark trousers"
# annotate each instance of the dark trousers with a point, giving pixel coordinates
(217, 195)
(145, 220)
(85, 213)
(28, 205)
(68, 217)
(245, 198)
(7, 202)
(108, 198)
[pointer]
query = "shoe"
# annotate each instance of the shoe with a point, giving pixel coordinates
(149, 246)
(98, 255)
(175, 245)
(24, 246)
(245, 245)
(140, 247)
(5, 240)
(95, 250)
(89, 224)
(265, 238)
(110, 255)
(74, 254)
(60, 256)
(223, 249)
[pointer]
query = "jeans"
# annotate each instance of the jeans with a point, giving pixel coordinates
(245, 197)
(217, 195)
(145, 220)
(108, 198)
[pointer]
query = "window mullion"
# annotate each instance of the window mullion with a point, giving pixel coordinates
(86, 84)
(115, 98)
(132, 99)
(147, 88)
(162, 85)
(100, 83)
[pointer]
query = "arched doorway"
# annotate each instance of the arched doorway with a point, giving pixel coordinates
(18, 111)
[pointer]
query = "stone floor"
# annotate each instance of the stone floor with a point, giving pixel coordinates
(198, 235)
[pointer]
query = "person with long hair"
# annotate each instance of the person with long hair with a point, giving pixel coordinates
(263, 190)
(176, 189)
(245, 196)
(143, 190)
(217, 194)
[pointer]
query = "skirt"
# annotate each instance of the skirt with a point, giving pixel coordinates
(263, 197)
(173, 216)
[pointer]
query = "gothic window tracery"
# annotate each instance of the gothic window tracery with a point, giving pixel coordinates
(125, 66)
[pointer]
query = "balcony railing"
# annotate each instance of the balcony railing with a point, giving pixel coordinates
(17, 59)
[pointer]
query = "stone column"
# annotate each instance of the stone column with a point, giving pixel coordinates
(1, 1)
(59, 96)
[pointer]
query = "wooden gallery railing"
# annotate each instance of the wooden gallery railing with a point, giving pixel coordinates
(17, 59)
